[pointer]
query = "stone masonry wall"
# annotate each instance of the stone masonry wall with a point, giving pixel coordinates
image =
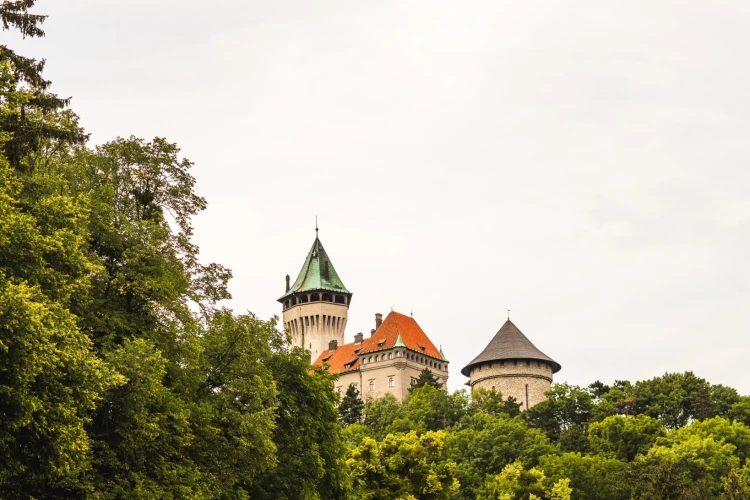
(527, 381)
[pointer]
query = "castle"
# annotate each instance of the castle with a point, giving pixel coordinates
(315, 312)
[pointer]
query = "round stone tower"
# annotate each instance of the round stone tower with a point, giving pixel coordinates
(512, 365)
(315, 308)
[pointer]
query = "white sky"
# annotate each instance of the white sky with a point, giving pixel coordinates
(584, 164)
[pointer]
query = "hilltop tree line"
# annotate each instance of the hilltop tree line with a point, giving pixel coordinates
(121, 376)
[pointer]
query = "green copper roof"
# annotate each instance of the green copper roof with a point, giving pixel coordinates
(399, 342)
(317, 273)
(441, 354)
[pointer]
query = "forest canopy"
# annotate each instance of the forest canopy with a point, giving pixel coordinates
(122, 376)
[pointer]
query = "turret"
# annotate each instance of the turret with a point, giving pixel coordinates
(315, 308)
(512, 365)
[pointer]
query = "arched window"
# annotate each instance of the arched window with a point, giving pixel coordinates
(390, 355)
(327, 297)
(314, 297)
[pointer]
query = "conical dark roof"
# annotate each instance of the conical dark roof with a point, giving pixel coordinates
(510, 343)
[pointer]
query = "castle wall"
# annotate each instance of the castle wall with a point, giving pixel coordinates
(527, 381)
(390, 375)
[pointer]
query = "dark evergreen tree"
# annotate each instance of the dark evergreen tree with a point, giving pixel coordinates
(426, 377)
(351, 406)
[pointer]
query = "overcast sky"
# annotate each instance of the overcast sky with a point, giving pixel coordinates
(583, 164)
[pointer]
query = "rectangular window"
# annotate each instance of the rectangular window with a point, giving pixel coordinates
(372, 385)
(391, 382)
(413, 381)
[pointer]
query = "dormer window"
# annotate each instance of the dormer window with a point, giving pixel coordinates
(421, 346)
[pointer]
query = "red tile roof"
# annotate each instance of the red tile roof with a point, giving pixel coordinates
(339, 358)
(385, 337)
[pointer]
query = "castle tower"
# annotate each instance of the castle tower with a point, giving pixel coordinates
(316, 306)
(512, 365)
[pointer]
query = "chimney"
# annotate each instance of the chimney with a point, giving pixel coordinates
(378, 320)
(358, 338)
(372, 332)
(287, 282)
(332, 345)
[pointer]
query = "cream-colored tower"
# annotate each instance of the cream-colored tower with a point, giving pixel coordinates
(512, 365)
(315, 308)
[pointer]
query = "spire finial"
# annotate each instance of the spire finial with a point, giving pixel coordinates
(316, 225)
(411, 313)
(508, 314)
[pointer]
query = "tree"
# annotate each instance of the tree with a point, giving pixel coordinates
(50, 378)
(50, 381)
(403, 466)
(694, 467)
(426, 377)
(492, 402)
(482, 444)
(720, 429)
(310, 457)
(431, 409)
(591, 477)
(624, 437)
(515, 483)
(28, 116)
(679, 398)
(563, 416)
(381, 413)
(735, 486)
(351, 406)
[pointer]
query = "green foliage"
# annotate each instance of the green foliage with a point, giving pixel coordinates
(736, 485)
(516, 483)
(690, 467)
(381, 413)
(426, 377)
(721, 430)
(482, 444)
(591, 477)
(740, 411)
(351, 406)
(492, 402)
(431, 409)
(50, 381)
(404, 466)
(624, 437)
(310, 457)
(679, 398)
(563, 416)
